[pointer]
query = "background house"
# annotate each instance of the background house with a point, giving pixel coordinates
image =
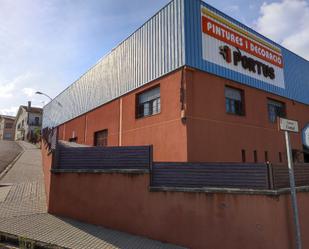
(7, 128)
(28, 123)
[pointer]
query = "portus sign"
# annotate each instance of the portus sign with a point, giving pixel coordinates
(240, 50)
(247, 63)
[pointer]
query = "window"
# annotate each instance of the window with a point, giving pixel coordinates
(73, 139)
(100, 138)
(243, 156)
(148, 103)
(8, 125)
(275, 109)
(266, 155)
(255, 156)
(7, 135)
(37, 121)
(234, 102)
(280, 157)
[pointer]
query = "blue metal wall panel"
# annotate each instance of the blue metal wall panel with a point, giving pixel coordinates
(154, 50)
(296, 69)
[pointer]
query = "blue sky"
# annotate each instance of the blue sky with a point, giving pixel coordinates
(47, 45)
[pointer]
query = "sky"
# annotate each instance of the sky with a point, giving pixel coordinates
(45, 45)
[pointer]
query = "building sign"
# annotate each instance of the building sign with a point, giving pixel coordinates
(305, 135)
(288, 125)
(246, 62)
(229, 45)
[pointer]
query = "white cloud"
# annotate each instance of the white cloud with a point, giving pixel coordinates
(47, 45)
(6, 90)
(12, 111)
(286, 22)
(30, 92)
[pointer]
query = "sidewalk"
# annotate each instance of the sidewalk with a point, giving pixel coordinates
(23, 213)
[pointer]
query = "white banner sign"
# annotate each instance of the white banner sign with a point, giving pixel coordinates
(233, 47)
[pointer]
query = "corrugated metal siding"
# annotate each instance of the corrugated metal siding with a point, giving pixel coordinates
(281, 175)
(296, 71)
(196, 175)
(133, 157)
(170, 39)
(155, 49)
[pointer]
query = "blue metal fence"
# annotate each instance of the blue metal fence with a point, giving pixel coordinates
(196, 175)
(94, 158)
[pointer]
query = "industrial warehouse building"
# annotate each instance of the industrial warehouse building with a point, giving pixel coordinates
(197, 85)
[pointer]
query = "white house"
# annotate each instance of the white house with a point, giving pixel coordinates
(28, 119)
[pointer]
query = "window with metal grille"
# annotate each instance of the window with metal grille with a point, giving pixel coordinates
(100, 138)
(234, 101)
(148, 103)
(275, 109)
(8, 125)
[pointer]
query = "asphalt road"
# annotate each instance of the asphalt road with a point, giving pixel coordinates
(8, 151)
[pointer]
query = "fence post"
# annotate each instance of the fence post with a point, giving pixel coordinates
(150, 163)
(270, 176)
(55, 150)
(55, 157)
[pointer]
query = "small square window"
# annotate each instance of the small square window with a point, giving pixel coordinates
(100, 138)
(148, 103)
(234, 101)
(275, 109)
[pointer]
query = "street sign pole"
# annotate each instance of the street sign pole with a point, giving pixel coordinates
(290, 125)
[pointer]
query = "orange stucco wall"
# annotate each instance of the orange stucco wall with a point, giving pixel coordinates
(216, 136)
(47, 164)
(165, 130)
(195, 220)
(209, 133)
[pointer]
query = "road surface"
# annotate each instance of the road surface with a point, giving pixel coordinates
(8, 151)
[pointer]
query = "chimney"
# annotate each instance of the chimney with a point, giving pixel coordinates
(29, 105)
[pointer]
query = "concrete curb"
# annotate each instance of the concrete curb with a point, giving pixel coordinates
(23, 242)
(10, 166)
(209, 190)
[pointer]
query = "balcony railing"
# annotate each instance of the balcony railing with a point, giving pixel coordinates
(35, 124)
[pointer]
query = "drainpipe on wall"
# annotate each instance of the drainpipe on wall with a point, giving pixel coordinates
(182, 95)
(120, 122)
(85, 131)
(63, 134)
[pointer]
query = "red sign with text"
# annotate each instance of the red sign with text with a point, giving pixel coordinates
(232, 38)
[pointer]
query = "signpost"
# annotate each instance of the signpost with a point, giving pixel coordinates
(292, 126)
